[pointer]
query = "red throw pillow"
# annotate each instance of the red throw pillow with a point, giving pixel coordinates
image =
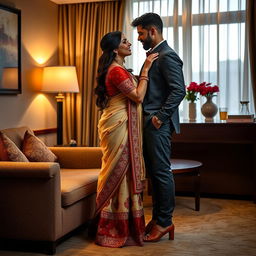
(35, 150)
(9, 151)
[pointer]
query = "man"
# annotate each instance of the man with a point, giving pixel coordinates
(165, 91)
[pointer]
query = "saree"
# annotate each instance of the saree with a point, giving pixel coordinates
(120, 182)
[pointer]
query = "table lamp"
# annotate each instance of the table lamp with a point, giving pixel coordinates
(60, 79)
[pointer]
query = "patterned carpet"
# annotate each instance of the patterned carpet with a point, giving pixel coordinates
(222, 227)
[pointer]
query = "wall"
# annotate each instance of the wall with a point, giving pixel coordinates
(39, 39)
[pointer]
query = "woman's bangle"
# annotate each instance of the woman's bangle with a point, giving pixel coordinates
(143, 78)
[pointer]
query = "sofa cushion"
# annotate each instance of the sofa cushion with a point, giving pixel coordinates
(77, 184)
(16, 135)
(9, 151)
(35, 150)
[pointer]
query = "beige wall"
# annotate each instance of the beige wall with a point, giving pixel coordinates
(39, 39)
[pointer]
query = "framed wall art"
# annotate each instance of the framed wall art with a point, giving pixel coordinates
(10, 50)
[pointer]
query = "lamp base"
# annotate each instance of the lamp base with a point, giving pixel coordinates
(60, 99)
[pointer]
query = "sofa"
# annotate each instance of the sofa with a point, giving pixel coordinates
(42, 202)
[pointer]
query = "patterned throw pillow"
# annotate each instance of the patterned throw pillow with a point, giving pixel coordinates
(35, 150)
(9, 151)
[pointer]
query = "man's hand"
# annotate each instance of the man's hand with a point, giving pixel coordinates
(156, 122)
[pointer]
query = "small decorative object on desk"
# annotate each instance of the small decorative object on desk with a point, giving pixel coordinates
(191, 96)
(192, 111)
(241, 118)
(244, 108)
(208, 109)
(244, 116)
(72, 143)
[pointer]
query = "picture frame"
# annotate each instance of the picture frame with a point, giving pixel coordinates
(10, 50)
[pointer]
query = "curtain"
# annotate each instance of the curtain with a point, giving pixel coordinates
(211, 39)
(81, 27)
(251, 21)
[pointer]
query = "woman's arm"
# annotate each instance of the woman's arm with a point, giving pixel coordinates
(138, 93)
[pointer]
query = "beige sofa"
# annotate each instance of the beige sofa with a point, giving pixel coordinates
(41, 202)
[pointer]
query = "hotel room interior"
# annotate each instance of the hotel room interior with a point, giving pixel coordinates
(42, 208)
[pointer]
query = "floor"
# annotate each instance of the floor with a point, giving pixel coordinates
(222, 227)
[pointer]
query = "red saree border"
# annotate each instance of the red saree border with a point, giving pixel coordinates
(113, 180)
(125, 86)
(134, 144)
(122, 215)
(122, 235)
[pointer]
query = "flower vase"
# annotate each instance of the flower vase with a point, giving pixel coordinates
(192, 111)
(209, 109)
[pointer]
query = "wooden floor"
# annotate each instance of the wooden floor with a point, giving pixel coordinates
(221, 228)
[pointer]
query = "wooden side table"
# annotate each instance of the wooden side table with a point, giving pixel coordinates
(189, 167)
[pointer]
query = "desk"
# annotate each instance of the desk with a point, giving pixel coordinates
(228, 154)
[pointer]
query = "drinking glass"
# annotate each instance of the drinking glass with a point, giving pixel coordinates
(223, 114)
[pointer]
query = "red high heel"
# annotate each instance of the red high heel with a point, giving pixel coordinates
(155, 234)
(149, 226)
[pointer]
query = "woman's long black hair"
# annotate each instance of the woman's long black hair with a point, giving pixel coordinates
(108, 43)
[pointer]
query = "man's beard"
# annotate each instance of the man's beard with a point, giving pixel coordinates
(147, 43)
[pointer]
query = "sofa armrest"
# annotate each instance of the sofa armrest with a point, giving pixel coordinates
(36, 170)
(78, 157)
(30, 201)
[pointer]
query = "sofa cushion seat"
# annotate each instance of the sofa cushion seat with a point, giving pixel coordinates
(77, 184)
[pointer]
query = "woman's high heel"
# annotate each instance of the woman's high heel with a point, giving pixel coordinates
(171, 233)
(155, 234)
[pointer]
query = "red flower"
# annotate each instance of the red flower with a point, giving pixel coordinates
(206, 89)
(192, 91)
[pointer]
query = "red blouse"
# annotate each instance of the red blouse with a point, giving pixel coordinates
(119, 80)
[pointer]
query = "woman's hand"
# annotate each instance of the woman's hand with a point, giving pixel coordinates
(149, 60)
(138, 94)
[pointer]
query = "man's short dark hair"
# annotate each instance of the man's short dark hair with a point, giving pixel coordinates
(148, 20)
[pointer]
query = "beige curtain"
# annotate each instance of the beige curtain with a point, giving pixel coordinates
(81, 27)
(251, 21)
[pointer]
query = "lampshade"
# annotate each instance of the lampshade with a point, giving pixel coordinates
(60, 79)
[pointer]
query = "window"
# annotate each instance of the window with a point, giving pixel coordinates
(209, 36)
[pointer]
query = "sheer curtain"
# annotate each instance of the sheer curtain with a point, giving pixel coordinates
(210, 37)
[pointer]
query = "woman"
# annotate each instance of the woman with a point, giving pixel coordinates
(118, 203)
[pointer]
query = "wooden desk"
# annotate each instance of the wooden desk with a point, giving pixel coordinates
(228, 154)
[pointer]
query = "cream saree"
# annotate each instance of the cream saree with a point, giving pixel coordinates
(120, 185)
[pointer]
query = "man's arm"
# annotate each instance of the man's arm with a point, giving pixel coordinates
(171, 69)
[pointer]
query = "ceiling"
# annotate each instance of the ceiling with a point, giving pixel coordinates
(75, 1)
